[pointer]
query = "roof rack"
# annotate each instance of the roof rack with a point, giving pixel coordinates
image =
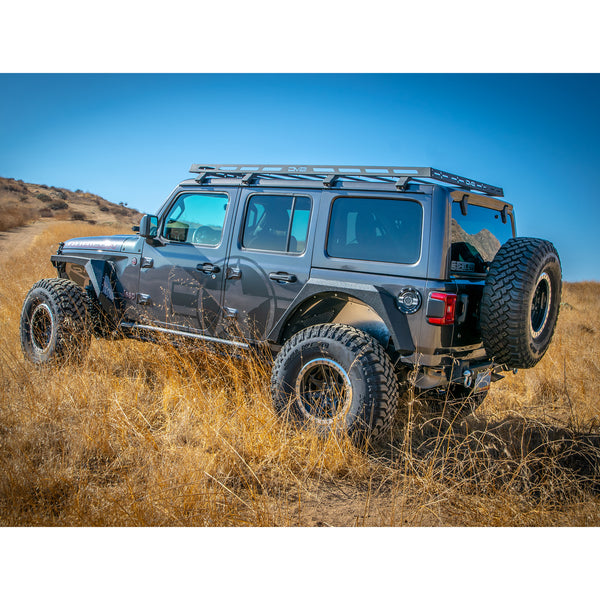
(328, 174)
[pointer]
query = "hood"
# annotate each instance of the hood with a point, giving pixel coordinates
(114, 243)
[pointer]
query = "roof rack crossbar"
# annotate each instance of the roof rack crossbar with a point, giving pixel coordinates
(331, 173)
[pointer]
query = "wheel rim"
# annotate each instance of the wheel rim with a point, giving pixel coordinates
(323, 391)
(41, 327)
(540, 305)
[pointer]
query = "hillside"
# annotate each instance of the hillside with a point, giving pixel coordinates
(22, 203)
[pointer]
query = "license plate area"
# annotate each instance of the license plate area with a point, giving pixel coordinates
(483, 380)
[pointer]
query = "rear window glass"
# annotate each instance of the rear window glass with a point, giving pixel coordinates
(476, 237)
(377, 229)
(277, 223)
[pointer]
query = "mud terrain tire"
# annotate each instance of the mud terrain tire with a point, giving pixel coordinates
(336, 378)
(54, 323)
(520, 302)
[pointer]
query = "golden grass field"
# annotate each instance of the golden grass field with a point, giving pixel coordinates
(146, 435)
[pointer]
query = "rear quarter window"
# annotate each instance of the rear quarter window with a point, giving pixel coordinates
(375, 229)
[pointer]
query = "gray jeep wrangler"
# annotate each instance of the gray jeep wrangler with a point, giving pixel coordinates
(360, 280)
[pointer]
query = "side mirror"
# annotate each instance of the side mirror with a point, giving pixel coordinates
(149, 226)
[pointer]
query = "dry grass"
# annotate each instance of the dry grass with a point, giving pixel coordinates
(141, 434)
(15, 216)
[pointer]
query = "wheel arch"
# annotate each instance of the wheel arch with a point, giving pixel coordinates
(98, 274)
(334, 307)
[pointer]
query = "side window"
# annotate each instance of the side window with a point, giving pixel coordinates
(277, 223)
(383, 230)
(197, 219)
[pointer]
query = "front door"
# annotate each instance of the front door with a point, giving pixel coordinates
(181, 272)
(269, 261)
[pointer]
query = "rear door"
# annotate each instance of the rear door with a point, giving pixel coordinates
(270, 259)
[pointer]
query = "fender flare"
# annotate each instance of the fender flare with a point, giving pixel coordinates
(102, 278)
(380, 300)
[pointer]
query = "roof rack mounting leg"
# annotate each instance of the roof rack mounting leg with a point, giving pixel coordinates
(247, 179)
(464, 201)
(329, 180)
(402, 182)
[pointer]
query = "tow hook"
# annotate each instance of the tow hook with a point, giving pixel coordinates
(468, 378)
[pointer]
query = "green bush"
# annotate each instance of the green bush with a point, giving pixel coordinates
(43, 197)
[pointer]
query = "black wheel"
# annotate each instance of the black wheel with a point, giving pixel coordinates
(54, 322)
(336, 378)
(520, 302)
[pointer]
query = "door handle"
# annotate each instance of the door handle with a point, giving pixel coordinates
(208, 268)
(283, 277)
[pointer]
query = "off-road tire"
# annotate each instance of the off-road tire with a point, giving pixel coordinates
(362, 362)
(520, 302)
(54, 323)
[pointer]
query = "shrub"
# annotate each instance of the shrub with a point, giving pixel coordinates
(43, 197)
(45, 212)
(104, 208)
(15, 216)
(59, 205)
(78, 216)
(61, 194)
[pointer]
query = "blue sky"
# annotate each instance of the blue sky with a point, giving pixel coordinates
(131, 138)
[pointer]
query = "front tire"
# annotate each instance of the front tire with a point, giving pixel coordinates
(54, 323)
(335, 378)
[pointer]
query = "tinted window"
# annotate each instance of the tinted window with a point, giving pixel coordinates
(277, 223)
(197, 219)
(476, 237)
(375, 229)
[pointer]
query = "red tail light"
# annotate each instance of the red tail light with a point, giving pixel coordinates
(447, 312)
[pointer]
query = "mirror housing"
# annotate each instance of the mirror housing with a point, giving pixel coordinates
(149, 226)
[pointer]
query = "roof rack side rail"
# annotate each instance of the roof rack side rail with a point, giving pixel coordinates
(330, 173)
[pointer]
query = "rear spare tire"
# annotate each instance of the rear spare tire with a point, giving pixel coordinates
(520, 302)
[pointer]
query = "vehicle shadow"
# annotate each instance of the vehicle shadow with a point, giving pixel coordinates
(517, 451)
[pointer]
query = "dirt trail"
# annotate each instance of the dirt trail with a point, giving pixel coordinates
(21, 238)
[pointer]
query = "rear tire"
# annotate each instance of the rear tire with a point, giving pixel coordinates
(334, 378)
(520, 302)
(54, 324)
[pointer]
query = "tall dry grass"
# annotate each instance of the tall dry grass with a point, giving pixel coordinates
(15, 216)
(143, 434)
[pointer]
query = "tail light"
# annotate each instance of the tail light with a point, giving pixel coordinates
(441, 308)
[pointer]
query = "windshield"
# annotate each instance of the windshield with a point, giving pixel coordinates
(476, 237)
